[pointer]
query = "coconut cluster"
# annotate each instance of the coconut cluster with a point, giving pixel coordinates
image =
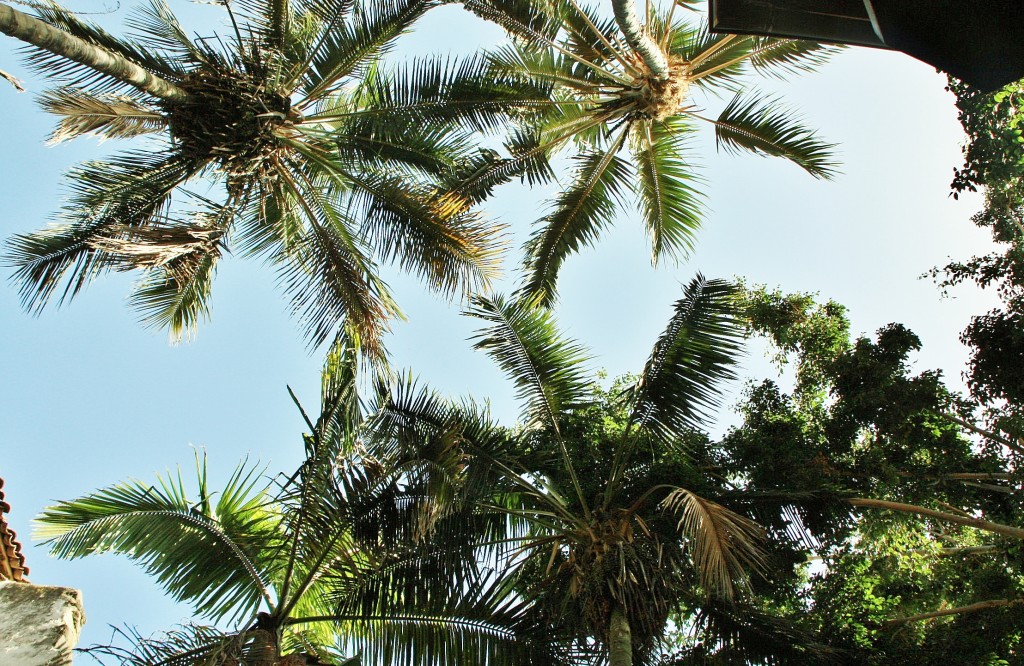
(659, 99)
(229, 118)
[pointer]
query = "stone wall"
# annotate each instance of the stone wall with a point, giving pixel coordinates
(39, 625)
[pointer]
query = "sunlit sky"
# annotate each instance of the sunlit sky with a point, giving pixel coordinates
(89, 398)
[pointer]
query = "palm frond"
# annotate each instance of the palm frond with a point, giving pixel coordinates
(212, 558)
(761, 126)
(160, 27)
(180, 261)
(349, 49)
(429, 234)
(452, 620)
(176, 300)
(420, 149)
(331, 281)
(107, 116)
(590, 36)
(526, 19)
(128, 192)
(672, 207)
(742, 633)
(578, 216)
(470, 92)
(341, 411)
(717, 60)
(678, 387)
(725, 547)
(778, 57)
(545, 68)
(546, 368)
(190, 645)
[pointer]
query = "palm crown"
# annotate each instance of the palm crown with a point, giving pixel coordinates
(276, 114)
(624, 110)
(611, 524)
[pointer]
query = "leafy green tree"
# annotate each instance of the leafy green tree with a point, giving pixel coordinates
(313, 181)
(612, 514)
(928, 570)
(330, 561)
(994, 161)
(617, 99)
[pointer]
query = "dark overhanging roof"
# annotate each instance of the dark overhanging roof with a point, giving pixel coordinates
(980, 42)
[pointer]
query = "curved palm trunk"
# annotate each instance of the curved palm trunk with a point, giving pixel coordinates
(620, 639)
(31, 30)
(988, 526)
(638, 39)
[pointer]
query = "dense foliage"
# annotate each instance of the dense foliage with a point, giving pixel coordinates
(860, 424)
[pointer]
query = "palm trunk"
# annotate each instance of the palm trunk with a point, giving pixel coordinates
(620, 639)
(638, 39)
(996, 528)
(42, 35)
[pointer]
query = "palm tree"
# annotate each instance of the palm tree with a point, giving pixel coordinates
(275, 114)
(330, 561)
(618, 98)
(611, 521)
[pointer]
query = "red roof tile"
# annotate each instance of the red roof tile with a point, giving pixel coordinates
(12, 560)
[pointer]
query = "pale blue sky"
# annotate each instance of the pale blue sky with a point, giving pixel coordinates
(89, 398)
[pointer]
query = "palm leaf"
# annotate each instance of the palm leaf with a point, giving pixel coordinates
(340, 407)
(671, 206)
(416, 610)
(538, 20)
(158, 25)
(717, 60)
(128, 192)
(107, 116)
(778, 57)
(472, 93)
(212, 558)
(180, 260)
(678, 387)
(545, 68)
(590, 36)
(546, 368)
(724, 546)
(331, 281)
(347, 50)
(176, 301)
(402, 143)
(742, 633)
(578, 216)
(190, 645)
(761, 126)
(429, 234)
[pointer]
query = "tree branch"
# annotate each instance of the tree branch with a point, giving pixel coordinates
(973, 608)
(986, 433)
(978, 523)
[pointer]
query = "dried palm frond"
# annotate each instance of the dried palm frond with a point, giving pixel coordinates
(108, 116)
(163, 246)
(13, 80)
(724, 546)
